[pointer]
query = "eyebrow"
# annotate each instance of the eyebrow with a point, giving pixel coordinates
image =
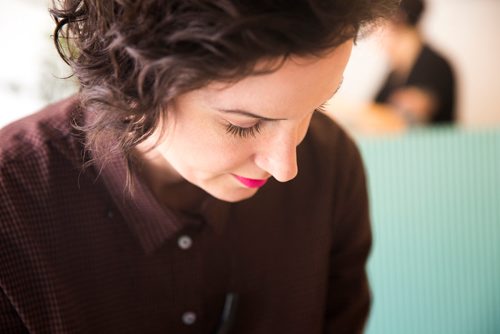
(250, 114)
(256, 116)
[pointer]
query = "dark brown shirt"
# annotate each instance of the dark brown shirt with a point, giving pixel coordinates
(79, 255)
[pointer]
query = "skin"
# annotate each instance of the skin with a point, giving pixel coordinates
(414, 104)
(402, 43)
(196, 146)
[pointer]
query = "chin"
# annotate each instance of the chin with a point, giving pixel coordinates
(234, 196)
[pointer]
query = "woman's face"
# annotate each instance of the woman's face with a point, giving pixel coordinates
(228, 139)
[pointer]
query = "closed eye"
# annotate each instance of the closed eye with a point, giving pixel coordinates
(242, 132)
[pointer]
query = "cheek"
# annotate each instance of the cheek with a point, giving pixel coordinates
(302, 131)
(211, 151)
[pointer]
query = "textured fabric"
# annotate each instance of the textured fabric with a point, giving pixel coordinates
(432, 73)
(79, 255)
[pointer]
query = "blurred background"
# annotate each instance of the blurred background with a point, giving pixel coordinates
(463, 31)
(434, 189)
(30, 69)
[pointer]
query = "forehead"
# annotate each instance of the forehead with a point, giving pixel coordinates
(300, 84)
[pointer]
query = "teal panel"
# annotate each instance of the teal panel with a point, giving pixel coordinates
(435, 206)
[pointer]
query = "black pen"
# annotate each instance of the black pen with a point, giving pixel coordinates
(228, 314)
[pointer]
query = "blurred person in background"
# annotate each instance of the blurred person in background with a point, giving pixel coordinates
(420, 87)
(166, 196)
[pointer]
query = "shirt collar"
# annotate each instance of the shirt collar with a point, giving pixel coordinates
(150, 221)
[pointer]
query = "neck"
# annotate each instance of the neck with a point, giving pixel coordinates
(166, 184)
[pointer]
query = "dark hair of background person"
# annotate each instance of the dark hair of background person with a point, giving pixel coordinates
(411, 11)
(134, 57)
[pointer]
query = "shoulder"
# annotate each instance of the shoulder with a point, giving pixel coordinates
(46, 131)
(328, 158)
(330, 142)
(434, 63)
(35, 150)
(34, 134)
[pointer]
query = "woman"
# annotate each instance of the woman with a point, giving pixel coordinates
(166, 195)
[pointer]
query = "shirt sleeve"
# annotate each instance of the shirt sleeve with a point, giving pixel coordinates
(349, 298)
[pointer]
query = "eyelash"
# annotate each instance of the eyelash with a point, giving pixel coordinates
(252, 131)
(321, 108)
(238, 131)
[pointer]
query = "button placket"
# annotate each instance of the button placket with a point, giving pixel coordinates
(187, 267)
(188, 318)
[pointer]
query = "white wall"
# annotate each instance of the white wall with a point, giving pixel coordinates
(29, 66)
(467, 32)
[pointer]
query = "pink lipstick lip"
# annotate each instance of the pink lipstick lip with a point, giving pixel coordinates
(250, 183)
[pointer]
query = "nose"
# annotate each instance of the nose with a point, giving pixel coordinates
(279, 158)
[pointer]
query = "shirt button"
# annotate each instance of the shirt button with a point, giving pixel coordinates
(184, 242)
(189, 318)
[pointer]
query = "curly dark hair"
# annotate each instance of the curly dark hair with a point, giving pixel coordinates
(132, 57)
